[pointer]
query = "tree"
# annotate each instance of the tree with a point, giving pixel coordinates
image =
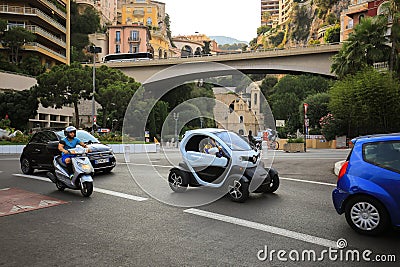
(14, 39)
(32, 66)
(317, 108)
(391, 15)
(167, 22)
(3, 27)
(365, 46)
(290, 92)
(206, 49)
(332, 35)
(263, 29)
(65, 85)
(19, 106)
(367, 102)
(267, 85)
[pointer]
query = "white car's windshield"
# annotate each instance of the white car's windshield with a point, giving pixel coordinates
(82, 135)
(234, 141)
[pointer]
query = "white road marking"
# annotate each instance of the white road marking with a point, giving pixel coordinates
(45, 203)
(118, 194)
(306, 181)
(4, 189)
(9, 159)
(265, 228)
(99, 190)
(20, 207)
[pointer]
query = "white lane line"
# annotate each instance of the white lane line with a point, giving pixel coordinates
(265, 228)
(4, 189)
(9, 159)
(306, 181)
(99, 190)
(145, 164)
(118, 194)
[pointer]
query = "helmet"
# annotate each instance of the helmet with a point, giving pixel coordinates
(69, 129)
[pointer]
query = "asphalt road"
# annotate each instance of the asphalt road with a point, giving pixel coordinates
(121, 225)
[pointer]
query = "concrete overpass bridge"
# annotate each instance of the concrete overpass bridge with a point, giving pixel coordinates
(311, 59)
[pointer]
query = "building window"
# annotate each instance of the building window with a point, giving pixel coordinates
(241, 120)
(255, 99)
(360, 18)
(134, 35)
(118, 36)
(140, 1)
(117, 49)
(149, 21)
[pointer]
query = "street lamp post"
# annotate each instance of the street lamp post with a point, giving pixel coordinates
(176, 117)
(95, 50)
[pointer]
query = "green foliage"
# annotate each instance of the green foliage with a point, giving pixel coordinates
(167, 22)
(267, 85)
(332, 35)
(301, 23)
(365, 46)
(295, 140)
(20, 138)
(263, 29)
(277, 39)
(232, 46)
(317, 108)
(325, 4)
(329, 127)
(206, 49)
(3, 26)
(290, 93)
(19, 106)
(14, 39)
(367, 103)
(332, 19)
(32, 66)
(64, 85)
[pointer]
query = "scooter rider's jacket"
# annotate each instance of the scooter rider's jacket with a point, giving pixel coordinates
(68, 144)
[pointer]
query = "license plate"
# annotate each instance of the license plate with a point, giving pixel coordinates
(100, 161)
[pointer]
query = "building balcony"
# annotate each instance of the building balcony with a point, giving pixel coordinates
(138, 13)
(54, 8)
(46, 51)
(133, 40)
(87, 2)
(29, 11)
(38, 30)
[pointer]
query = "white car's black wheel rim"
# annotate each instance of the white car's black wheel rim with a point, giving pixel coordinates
(365, 216)
(235, 190)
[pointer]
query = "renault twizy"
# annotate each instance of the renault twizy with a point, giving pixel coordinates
(221, 159)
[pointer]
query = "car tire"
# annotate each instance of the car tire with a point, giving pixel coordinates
(26, 166)
(366, 215)
(238, 190)
(177, 181)
(273, 186)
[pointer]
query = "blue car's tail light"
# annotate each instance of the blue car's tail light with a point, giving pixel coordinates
(343, 170)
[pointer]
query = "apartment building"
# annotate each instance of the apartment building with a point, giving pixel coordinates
(107, 9)
(152, 15)
(49, 20)
(132, 38)
(269, 12)
(285, 10)
(356, 11)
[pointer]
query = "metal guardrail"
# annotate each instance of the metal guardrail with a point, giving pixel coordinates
(54, 7)
(237, 55)
(37, 29)
(31, 11)
(34, 44)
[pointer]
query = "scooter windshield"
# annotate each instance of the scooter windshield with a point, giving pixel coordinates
(234, 141)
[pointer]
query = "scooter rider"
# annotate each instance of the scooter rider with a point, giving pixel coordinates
(69, 142)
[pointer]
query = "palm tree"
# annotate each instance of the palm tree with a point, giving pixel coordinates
(391, 14)
(365, 46)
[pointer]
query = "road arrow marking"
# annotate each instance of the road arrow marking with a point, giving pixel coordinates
(20, 207)
(45, 203)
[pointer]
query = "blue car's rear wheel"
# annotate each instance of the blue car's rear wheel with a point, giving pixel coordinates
(366, 215)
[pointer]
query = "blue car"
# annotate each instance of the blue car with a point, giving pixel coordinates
(368, 187)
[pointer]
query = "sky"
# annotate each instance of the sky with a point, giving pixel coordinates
(232, 18)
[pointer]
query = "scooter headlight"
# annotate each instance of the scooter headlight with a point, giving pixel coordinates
(86, 167)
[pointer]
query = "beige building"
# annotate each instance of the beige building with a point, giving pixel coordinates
(285, 10)
(275, 12)
(48, 20)
(239, 113)
(107, 9)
